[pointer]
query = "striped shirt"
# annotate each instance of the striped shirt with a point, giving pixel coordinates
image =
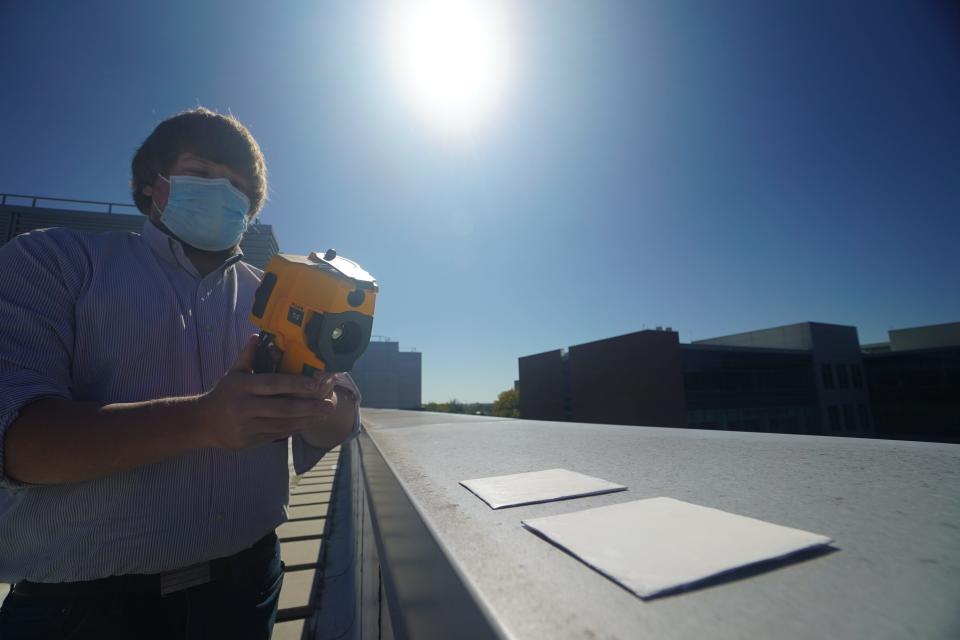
(124, 317)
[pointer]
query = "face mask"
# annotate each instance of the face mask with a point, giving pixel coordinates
(206, 213)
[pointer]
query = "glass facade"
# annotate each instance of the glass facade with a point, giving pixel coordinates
(842, 379)
(915, 394)
(750, 390)
(856, 375)
(864, 417)
(826, 372)
(834, 413)
(849, 423)
(787, 419)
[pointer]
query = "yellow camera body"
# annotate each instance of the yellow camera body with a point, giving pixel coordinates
(316, 311)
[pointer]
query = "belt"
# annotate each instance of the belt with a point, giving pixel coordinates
(157, 583)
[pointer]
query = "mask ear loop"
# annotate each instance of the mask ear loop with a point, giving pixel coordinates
(154, 202)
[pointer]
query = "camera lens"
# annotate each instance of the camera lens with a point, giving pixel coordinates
(346, 338)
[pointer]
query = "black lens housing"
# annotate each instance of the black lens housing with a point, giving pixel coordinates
(338, 354)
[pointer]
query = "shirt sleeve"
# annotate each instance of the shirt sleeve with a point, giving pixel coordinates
(41, 277)
(305, 455)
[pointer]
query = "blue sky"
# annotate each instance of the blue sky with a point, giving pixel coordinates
(715, 167)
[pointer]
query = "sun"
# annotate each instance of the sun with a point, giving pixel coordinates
(452, 59)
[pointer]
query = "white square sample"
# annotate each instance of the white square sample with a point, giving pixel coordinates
(537, 486)
(661, 544)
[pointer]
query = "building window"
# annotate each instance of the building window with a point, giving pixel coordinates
(848, 420)
(842, 380)
(834, 412)
(856, 376)
(864, 418)
(827, 372)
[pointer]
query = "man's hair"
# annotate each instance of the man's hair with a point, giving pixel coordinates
(212, 136)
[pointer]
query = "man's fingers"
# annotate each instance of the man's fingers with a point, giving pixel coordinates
(264, 438)
(283, 384)
(324, 377)
(290, 408)
(281, 427)
(331, 402)
(326, 389)
(244, 361)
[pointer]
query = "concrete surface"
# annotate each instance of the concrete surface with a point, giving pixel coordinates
(892, 507)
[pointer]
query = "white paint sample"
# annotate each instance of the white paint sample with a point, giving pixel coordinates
(537, 486)
(661, 544)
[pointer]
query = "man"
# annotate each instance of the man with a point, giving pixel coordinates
(143, 465)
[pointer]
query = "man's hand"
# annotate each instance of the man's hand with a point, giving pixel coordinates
(245, 409)
(59, 441)
(337, 427)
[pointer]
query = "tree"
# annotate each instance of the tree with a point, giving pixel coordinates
(507, 404)
(455, 406)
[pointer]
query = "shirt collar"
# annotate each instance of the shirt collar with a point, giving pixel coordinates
(171, 250)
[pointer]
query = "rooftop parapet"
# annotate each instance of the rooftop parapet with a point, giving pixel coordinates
(433, 561)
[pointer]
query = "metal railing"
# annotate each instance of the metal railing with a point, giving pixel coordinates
(257, 226)
(35, 199)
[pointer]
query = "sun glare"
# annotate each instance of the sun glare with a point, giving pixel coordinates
(451, 59)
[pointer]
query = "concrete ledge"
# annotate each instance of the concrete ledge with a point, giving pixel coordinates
(892, 507)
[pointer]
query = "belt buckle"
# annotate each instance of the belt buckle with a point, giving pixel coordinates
(184, 578)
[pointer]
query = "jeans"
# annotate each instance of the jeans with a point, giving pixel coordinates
(242, 604)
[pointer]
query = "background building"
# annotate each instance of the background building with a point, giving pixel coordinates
(810, 377)
(388, 377)
(544, 383)
(19, 214)
(749, 389)
(819, 367)
(914, 382)
(642, 370)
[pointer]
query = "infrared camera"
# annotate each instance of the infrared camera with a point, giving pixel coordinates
(315, 313)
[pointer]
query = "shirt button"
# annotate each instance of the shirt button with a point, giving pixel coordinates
(218, 517)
